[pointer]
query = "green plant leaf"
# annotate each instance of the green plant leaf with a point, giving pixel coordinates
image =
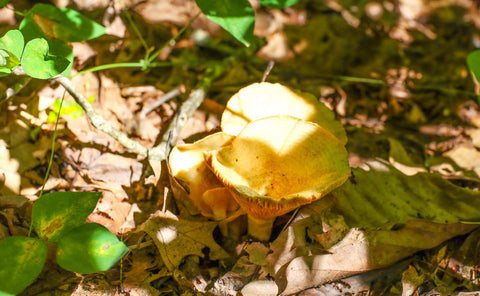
(89, 248)
(45, 20)
(58, 48)
(473, 62)
(55, 214)
(278, 3)
(11, 47)
(21, 261)
(13, 42)
(176, 238)
(3, 3)
(237, 17)
(8, 62)
(39, 62)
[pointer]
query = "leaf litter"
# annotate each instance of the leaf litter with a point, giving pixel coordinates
(335, 245)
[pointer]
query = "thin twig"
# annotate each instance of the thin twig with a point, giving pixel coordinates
(269, 68)
(165, 98)
(156, 153)
(186, 111)
(99, 122)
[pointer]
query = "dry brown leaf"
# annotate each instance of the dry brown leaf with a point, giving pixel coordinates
(466, 157)
(368, 207)
(112, 210)
(228, 284)
(257, 252)
(178, 12)
(112, 168)
(360, 251)
(7, 15)
(112, 101)
(176, 238)
(276, 48)
(260, 288)
(140, 273)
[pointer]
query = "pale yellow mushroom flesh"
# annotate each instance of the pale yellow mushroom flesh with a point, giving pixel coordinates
(188, 166)
(223, 208)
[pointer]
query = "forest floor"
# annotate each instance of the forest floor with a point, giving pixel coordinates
(394, 73)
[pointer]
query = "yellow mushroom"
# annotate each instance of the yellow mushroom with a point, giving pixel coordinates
(188, 167)
(225, 209)
(277, 164)
(260, 100)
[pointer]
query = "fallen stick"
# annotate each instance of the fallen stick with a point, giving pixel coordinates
(155, 153)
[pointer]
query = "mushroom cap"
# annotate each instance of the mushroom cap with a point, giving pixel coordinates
(188, 166)
(265, 99)
(278, 163)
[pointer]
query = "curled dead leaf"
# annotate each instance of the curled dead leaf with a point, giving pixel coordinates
(175, 238)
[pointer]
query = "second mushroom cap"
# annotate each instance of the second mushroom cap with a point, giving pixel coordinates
(260, 100)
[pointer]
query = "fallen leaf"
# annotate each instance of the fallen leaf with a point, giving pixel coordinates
(276, 48)
(401, 161)
(228, 284)
(140, 272)
(466, 157)
(411, 280)
(389, 215)
(260, 288)
(474, 133)
(176, 238)
(257, 252)
(177, 12)
(112, 168)
(361, 251)
(383, 197)
(362, 284)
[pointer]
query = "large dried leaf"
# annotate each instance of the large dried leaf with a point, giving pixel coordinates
(384, 197)
(362, 250)
(176, 238)
(374, 220)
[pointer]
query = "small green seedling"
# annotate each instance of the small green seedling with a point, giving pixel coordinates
(40, 45)
(59, 219)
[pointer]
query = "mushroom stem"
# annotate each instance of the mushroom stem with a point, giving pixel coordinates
(233, 228)
(260, 229)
